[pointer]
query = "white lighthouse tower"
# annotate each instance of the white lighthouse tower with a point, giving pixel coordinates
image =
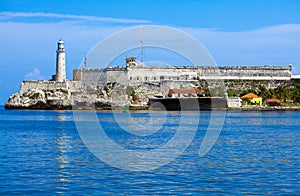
(60, 62)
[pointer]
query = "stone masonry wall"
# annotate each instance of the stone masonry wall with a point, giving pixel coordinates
(42, 84)
(137, 75)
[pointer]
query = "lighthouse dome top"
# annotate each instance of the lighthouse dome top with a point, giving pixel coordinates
(60, 45)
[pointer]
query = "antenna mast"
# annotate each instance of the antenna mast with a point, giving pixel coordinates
(141, 53)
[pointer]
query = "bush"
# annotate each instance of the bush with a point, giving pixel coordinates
(130, 91)
(231, 93)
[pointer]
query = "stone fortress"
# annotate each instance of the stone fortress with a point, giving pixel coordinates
(102, 88)
(157, 74)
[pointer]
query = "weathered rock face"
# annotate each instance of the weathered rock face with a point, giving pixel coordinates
(40, 99)
(49, 95)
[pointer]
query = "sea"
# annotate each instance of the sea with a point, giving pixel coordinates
(149, 153)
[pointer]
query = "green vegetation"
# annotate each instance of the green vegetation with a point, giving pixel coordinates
(288, 93)
(231, 93)
(130, 91)
(282, 93)
(213, 92)
(248, 91)
(248, 101)
(206, 92)
(295, 94)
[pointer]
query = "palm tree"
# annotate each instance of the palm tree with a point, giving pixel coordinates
(262, 92)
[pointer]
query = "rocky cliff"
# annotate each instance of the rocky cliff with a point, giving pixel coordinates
(50, 95)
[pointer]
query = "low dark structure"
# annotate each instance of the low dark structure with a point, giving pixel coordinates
(188, 104)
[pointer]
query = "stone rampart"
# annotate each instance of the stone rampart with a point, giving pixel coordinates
(99, 75)
(185, 73)
(42, 84)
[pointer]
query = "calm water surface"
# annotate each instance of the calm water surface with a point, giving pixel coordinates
(257, 152)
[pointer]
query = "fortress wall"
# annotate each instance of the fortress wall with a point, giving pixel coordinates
(248, 72)
(99, 76)
(92, 76)
(74, 85)
(116, 76)
(42, 85)
(185, 73)
(77, 75)
(144, 74)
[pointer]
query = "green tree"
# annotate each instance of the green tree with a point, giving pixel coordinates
(231, 93)
(282, 92)
(206, 92)
(263, 92)
(271, 94)
(295, 94)
(130, 91)
(248, 91)
(216, 92)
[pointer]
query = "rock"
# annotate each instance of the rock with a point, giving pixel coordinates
(38, 99)
(47, 95)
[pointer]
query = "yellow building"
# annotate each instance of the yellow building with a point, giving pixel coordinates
(257, 101)
(254, 99)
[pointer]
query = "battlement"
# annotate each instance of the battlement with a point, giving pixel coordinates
(46, 85)
(136, 74)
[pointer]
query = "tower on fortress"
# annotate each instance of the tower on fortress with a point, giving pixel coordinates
(60, 62)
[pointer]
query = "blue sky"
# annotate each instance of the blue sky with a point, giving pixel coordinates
(234, 32)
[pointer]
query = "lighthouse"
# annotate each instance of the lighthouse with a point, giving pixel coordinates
(60, 62)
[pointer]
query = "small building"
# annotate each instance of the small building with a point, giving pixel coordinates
(253, 99)
(130, 61)
(234, 102)
(273, 102)
(181, 93)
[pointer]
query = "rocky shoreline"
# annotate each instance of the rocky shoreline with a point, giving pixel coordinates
(87, 97)
(113, 96)
(268, 108)
(108, 106)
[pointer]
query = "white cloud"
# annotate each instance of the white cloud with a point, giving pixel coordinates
(35, 75)
(273, 45)
(11, 15)
(36, 42)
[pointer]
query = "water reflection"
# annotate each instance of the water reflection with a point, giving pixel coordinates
(63, 146)
(61, 115)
